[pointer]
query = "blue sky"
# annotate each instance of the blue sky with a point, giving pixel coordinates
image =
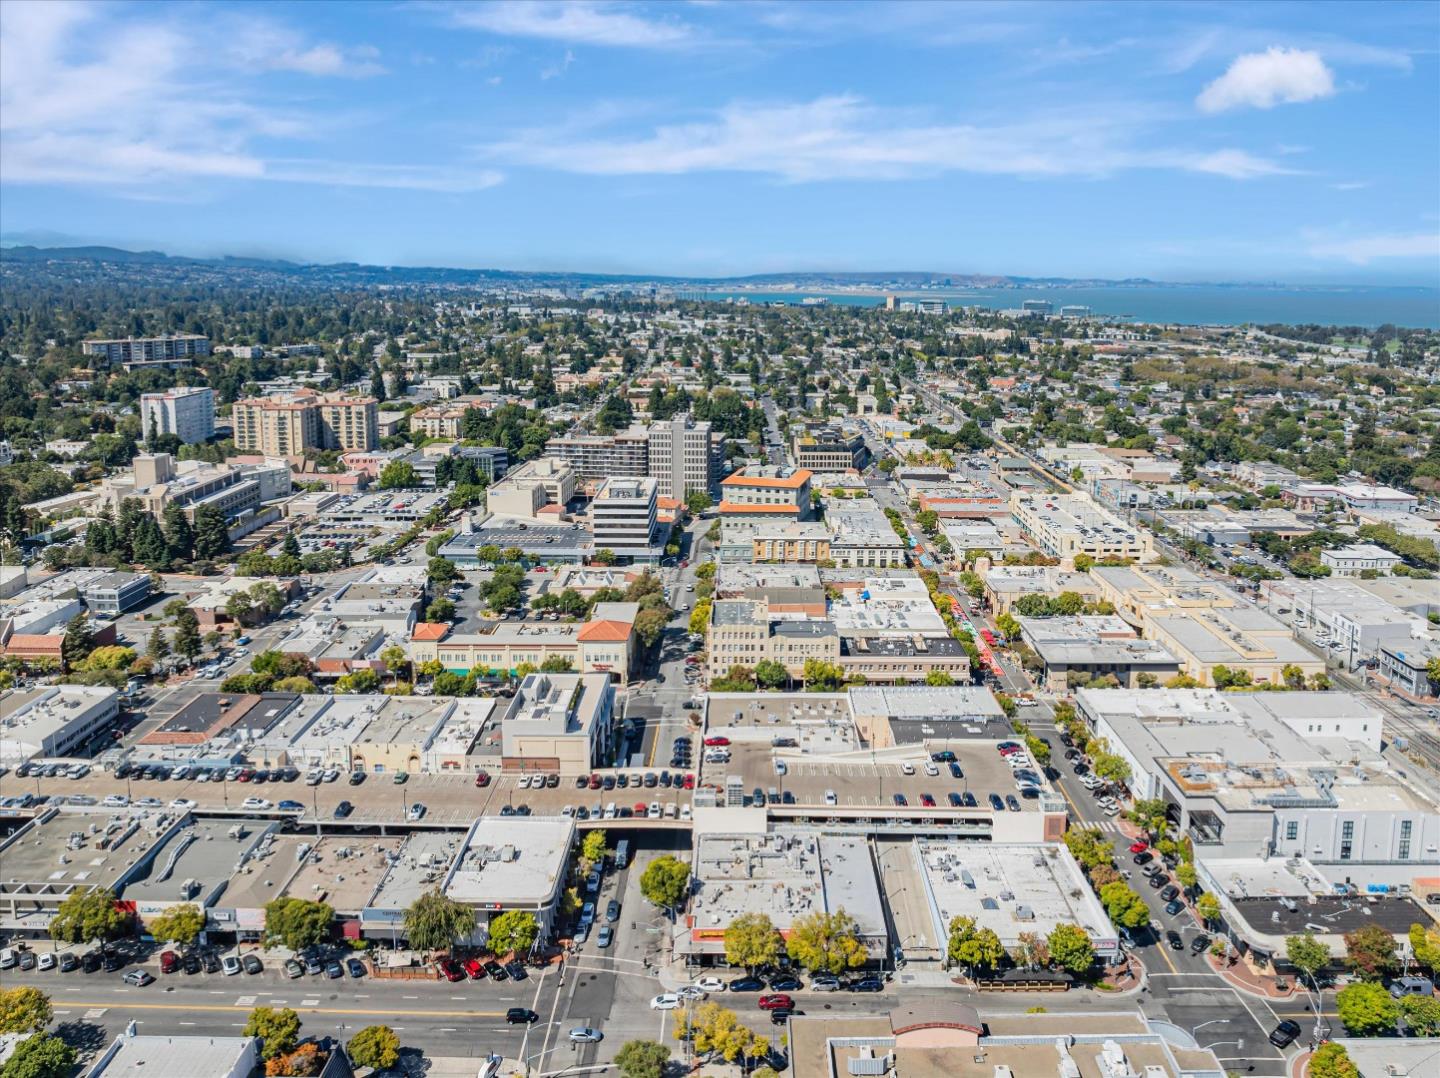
(1203, 141)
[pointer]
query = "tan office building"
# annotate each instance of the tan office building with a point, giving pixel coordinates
(287, 426)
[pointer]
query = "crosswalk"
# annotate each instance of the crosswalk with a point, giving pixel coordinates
(1112, 826)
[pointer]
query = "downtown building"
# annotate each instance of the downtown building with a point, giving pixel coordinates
(594, 456)
(131, 352)
(188, 412)
(685, 456)
(287, 426)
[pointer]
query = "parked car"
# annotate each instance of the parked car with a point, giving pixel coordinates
(667, 1001)
(343, 809)
(785, 982)
(169, 961)
(251, 964)
(355, 967)
(1174, 939)
(824, 982)
(1174, 906)
(866, 984)
(293, 969)
(1199, 944)
(139, 978)
(450, 968)
(745, 984)
(585, 1035)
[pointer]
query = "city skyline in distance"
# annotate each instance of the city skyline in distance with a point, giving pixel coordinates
(1095, 142)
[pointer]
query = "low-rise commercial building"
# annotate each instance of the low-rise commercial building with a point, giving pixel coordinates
(1075, 651)
(919, 714)
(861, 537)
(514, 863)
(527, 490)
(803, 543)
(786, 877)
(743, 632)
(603, 645)
(829, 449)
(53, 720)
(114, 593)
(1005, 584)
(1064, 525)
(1359, 559)
(558, 722)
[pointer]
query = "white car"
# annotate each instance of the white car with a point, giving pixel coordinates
(229, 965)
(417, 811)
(331, 774)
(669, 1001)
(115, 801)
(45, 961)
(931, 769)
(709, 984)
(148, 802)
(255, 803)
(654, 812)
(182, 804)
(692, 992)
(907, 768)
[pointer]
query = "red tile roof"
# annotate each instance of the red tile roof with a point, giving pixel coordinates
(604, 631)
(430, 630)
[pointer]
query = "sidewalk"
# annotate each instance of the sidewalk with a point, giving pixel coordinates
(1244, 978)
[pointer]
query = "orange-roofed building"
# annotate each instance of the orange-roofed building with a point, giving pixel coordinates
(766, 493)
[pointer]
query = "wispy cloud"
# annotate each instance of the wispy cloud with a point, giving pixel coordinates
(1262, 80)
(86, 99)
(1350, 185)
(844, 137)
(555, 70)
(1362, 250)
(584, 22)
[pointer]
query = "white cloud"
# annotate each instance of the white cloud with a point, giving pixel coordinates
(843, 137)
(1263, 80)
(77, 108)
(584, 22)
(555, 70)
(1350, 185)
(1362, 250)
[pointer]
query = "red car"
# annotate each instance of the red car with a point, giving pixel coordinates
(641, 809)
(1009, 750)
(482, 778)
(474, 969)
(245, 776)
(685, 564)
(169, 962)
(689, 782)
(778, 1001)
(717, 740)
(594, 782)
(1139, 846)
(927, 800)
(451, 969)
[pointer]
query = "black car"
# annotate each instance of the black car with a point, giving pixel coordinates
(1081, 769)
(111, 961)
(251, 964)
(1174, 906)
(746, 984)
(1144, 857)
(343, 809)
(1284, 1033)
(516, 969)
(1199, 943)
(190, 963)
(1171, 892)
(787, 798)
(1012, 803)
(622, 780)
(356, 778)
(1174, 939)
(945, 757)
(781, 1015)
(969, 800)
(355, 967)
(679, 761)
(956, 772)
(1159, 880)
(612, 912)
(666, 780)
(996, 803)
(496, 971)
(866, 984)
(290, 774)
(211, 961)
(520, 1016)
(651, 780)
(90, 961)
(608, 782)
(785, 982)
(27, 960)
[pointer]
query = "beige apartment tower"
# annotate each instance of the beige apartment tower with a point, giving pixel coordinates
(287, 426)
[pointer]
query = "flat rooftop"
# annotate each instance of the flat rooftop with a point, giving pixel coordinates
(172, 1057)
(820, 722)
(514, 860)
(1010, 888)
(68, 850)
(420, 865)
(786, 876)
(345, 872)
(205, 851)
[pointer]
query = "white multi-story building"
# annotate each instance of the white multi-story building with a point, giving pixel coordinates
(684, 457)
(1359, 558)
(624, 519)
(188, 412)
(131, 352)
(54, 720)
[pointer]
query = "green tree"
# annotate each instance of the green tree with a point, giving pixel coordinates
(1425, 946)
(1186, 875)
(604, 556)
(212, 537)
(1306, 954)
(157, 647)
(939, 679)
(1421, 1014)
(1111, 767)
(178, 924)
(513, 931)
(77, 643)
(358, 682)
(642, 1059)
(278, 1030)
(187, 634)
(297, 923)
(435, 922)
(1332, 1061)
(398, 473)
(1370, 951)
(972, 947)
(820, 676)
(375, 1046)
(593, 849)
(24, 1010)
(1150, 815)
(441, 570)
(697, 501)
(395, 659)
(1070, 946)
(752, 940)
(666, 882)
(440, 610)
(1207, 908)
(1124, 907)
(88, 916)
(1367, 1009)
(700, 617)
(770, 674)
(826, 942)
(40, 1056)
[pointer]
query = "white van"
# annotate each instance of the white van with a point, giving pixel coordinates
(610, 811)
